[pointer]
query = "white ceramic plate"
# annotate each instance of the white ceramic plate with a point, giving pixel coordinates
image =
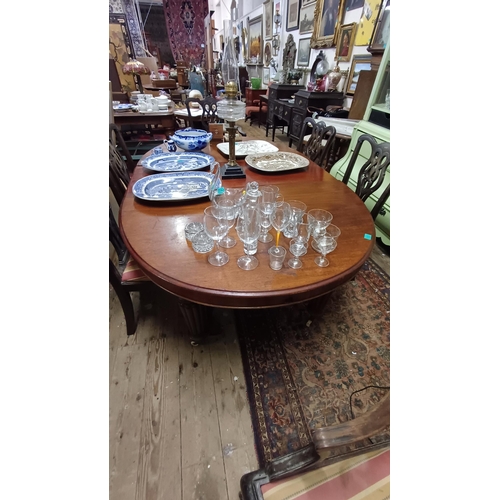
(244, 148)
(276, 162)
(173, 186)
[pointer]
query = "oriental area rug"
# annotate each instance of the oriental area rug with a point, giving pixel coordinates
(301, 376)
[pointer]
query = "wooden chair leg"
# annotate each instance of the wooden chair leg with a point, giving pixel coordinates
(124, 298)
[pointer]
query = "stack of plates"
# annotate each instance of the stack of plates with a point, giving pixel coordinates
(123, 107)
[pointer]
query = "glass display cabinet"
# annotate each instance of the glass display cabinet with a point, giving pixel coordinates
(376, 122)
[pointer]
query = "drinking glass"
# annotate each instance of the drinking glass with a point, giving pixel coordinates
(325, 244)
(248, 230)
(303, 232)
(270, 198)
(298, 209)
(216, 181)
(265, 224)
(318, 219)
(216, 228)
(331, 230)
(280, 217)
(297, 249)
(225, 209)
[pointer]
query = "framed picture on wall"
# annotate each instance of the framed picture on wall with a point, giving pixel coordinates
(382, 28)
(359, 63)
(305, 3)
(306, 22)
(292, 17)
(266, 74)
(304, 52)
(255, 45)
(346, 42)
(327, 21)
(366, 23)
(268, 19)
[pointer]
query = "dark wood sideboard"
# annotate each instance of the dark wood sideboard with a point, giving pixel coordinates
(281, 112)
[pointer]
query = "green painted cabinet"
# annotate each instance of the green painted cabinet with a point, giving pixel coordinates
(376, 122)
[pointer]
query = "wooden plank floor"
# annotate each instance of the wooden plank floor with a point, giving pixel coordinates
(179, 424)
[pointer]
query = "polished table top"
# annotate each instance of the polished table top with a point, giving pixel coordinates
(154, 234)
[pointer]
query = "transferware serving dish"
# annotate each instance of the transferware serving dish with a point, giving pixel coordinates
(244, 148)
(276, 162)
(173, 186)
(177, 162)
(123, 107)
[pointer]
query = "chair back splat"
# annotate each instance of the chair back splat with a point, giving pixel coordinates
(372, 172)
(320, 141)
(209, 111)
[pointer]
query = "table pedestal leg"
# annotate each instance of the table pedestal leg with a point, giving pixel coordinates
(196, 318)
(317, 305)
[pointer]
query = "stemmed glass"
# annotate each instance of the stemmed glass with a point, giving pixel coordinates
(248, 230)
(298, 209)
(325, 244)
(331, 230)
(216, 228)
(270, 198)
(216, 181)
(318, 219)
(297, 248)
(280, 217)
(221, 200)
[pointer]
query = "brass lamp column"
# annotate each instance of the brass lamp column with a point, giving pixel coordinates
(230, 108)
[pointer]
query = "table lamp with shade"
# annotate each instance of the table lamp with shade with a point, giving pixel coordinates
(136, 68)
(230, 108)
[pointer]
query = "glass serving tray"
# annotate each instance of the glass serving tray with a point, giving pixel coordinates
(244, 148)
(276, 162)
(177, 162)
(173, 186)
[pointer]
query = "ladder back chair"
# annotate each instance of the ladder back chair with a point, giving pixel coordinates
(316, 140)
(209, 111)
(372, 172)
(124, 275)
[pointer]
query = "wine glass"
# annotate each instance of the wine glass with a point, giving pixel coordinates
(331, 230)
(297, 249)
(265, 223)
(248, 230)
(227, 210)
(318, 219)
(280, 217)
(216, 228)
(325, 244)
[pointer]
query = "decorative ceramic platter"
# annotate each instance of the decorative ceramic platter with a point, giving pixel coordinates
(276, 162)
(177, 162)
(242, 149)
(172, 186)
(123, 107)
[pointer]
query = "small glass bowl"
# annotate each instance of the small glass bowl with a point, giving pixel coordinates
(192, 229)
(202, 243)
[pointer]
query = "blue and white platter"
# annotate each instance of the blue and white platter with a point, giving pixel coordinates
(123, 107)
(177, 162)
(173, 186)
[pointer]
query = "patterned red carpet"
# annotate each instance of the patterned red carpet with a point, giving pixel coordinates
(302, 377)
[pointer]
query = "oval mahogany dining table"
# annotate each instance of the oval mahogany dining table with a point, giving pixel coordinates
(154, 234)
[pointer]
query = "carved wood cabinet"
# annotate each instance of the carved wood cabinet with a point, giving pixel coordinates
(304, 100)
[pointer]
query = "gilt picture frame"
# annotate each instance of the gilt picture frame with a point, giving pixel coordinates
(359, 63)
(381, 31)
(306, 18)
(345, 42)
(255, 42)
(328, 16)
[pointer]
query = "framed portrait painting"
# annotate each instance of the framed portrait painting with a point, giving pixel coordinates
(292, 17)
(268, 19)
(366, 23)
(255, 45)
(359, 63)
(327, 21)
(345, 42)
(306, 17)
(304, 52)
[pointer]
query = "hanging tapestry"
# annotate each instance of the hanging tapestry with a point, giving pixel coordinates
(186, 29)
